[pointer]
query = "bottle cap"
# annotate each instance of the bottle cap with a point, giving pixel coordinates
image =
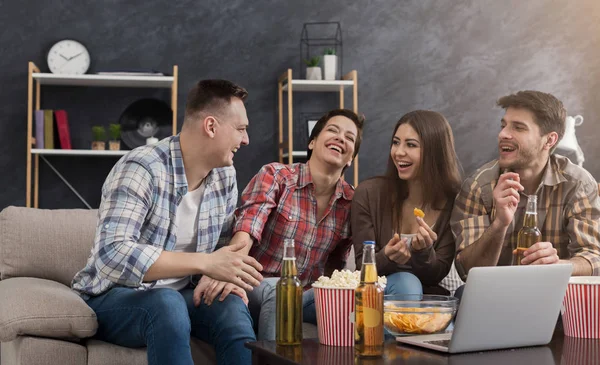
(368, 242)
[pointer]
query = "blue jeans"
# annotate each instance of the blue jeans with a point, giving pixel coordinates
(263, 309)
(164, 319)
(403, 283)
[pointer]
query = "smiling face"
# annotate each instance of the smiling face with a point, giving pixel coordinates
(520, 143)
(406, 152)
(335, 143)
(231, 132)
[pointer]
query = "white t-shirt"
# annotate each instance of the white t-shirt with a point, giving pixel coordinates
(187, 233)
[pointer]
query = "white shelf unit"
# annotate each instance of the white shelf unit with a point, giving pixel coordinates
(34, 82)
(290, 85)
(46, 152)
(300, 154)
(104, 80)
(318, 85)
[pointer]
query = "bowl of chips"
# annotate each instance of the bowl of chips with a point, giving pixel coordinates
(418, 314)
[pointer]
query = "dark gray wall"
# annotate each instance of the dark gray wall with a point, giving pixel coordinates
(456, 57)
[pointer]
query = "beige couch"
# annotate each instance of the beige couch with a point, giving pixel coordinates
(42, 321)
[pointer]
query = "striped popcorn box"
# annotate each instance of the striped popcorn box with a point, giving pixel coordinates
(581, 307)
(335, 306)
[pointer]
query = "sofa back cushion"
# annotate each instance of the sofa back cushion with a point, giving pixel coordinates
(45, 244)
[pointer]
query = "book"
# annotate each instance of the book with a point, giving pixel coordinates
(62, 125)
(48, 129)
(39, 129)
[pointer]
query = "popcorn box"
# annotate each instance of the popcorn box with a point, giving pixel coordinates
(581, 307)
(335, 312)
(334, 303)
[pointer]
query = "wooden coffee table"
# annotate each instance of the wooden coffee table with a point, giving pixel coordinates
(561, 350)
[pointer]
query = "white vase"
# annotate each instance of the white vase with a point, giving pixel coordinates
(329, 66)
(313, 73)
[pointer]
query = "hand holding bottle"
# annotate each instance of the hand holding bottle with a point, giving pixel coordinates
(541, 253)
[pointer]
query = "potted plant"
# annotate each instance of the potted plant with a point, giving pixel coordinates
(329, 64)
(313, 71)
(99, 137)
(115, 134)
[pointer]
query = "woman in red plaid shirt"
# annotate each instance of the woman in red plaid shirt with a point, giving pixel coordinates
(308, 202)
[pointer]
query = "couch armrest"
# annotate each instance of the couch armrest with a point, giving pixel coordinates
(45, 308)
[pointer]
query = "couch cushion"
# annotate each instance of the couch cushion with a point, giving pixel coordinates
(27, 350)
(104, 353)
(38, 307)
(46, 244)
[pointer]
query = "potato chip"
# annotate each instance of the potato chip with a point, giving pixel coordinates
(416, 320)
(418, 213)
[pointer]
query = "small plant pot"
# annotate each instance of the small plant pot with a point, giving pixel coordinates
(329, 67)
(98, 145)
(114, 145)
(313, 73)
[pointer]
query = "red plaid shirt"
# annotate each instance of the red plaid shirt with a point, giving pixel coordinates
(279, 203)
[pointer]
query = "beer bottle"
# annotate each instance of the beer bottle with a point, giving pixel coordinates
(289, 299)
(529, 233)
(368, 328)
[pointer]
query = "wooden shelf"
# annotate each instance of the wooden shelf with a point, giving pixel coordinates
(57, 152)
(302, 154)
(318, 85)
(285, 82)
(35, 80)
(104, 80)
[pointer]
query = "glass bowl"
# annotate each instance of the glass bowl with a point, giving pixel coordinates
(413, 314)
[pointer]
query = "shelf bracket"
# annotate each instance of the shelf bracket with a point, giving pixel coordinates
(64, 180)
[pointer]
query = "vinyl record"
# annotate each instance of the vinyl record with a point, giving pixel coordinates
(143, 119)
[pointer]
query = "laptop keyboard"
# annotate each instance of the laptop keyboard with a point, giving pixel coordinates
(443, 343)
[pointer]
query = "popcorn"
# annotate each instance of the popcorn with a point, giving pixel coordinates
(344, 279)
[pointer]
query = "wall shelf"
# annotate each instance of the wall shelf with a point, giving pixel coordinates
(36, 79)
(286, 83)
(104, 80)
(299, 154)
(318, 85)
(47, 152)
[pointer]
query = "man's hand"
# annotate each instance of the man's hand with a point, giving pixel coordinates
(230, 265)
(425, 236)
(540, 253)
(209, 288)
(506, 197)
(397, 250)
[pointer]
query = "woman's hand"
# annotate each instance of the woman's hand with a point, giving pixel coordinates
(425, 236)
(397, 250)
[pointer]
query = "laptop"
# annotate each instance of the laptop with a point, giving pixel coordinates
(538, 355)
(503, 307)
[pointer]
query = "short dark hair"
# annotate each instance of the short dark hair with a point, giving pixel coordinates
(212, 95)
(549, 112)
(358, 121)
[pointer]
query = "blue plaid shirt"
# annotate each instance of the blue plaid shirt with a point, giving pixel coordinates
(136, 218)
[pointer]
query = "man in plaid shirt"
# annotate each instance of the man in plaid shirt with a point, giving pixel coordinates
(489, 210)
(308, 202)
(164, 209)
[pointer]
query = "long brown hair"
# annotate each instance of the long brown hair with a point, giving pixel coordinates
(439, 170)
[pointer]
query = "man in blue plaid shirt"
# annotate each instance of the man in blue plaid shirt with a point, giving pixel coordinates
(165, 210)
